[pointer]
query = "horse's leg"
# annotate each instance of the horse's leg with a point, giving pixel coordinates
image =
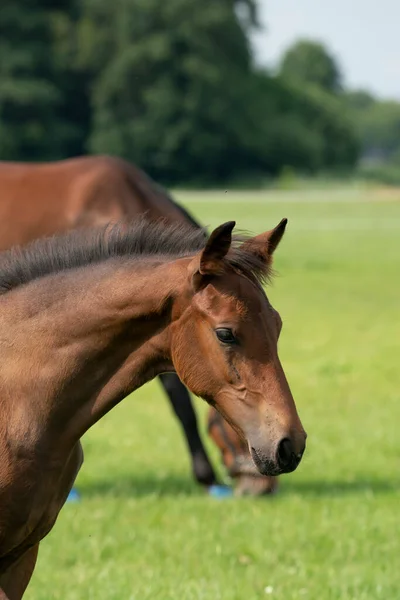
(182, 405)
(14, 582)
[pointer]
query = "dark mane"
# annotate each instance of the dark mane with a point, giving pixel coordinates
(82, 247)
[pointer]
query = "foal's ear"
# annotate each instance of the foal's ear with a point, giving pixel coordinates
(216, 249)
(210, 260)
(265, 244)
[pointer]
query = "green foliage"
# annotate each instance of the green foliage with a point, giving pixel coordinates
(171, 93)
(358, 99)
(168, 85)
(310, 62)
(378, 124)
(381, 127)
(301, 127)
(386, 173)
(28, 98)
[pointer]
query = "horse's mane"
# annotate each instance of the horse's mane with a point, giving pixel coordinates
(82, 247)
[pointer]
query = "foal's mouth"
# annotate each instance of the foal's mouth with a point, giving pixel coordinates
(265, 465)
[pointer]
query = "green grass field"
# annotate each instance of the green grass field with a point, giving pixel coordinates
(144, 531)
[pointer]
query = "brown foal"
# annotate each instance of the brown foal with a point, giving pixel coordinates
(41, 199)
(88, 317)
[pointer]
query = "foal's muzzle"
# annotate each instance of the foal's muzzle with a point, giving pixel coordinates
(287, 457)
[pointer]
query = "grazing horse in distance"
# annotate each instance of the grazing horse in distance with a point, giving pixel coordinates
(38, 200)
(88, 317)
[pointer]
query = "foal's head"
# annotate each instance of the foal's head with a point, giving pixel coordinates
(224, 341)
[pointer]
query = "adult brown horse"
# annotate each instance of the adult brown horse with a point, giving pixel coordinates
(88, 317)
(43, 199)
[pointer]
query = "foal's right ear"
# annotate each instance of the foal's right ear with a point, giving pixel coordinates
(210, 260)
(265, 244)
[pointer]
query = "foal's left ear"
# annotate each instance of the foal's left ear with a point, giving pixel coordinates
(210, 260)
(216, 249)
(265, 244)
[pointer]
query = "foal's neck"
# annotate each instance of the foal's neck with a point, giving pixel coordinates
(85, 339)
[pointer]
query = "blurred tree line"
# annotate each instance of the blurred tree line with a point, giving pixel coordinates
(378, 129)
(171, 85)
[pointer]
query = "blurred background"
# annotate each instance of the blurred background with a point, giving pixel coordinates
(254, 111)
(204, 93)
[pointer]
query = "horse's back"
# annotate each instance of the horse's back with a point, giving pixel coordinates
(46, 198)
(38, 199)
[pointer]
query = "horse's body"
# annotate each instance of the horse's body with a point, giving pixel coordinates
(88, 318)
(38, 200)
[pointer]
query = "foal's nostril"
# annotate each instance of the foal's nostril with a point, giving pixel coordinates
(287, 459)
(285, 453)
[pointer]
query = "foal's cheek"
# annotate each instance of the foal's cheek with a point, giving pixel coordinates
(197, 364)
(186, 361)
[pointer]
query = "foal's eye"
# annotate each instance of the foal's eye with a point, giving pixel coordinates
(226, 336)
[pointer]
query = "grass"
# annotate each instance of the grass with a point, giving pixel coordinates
(143, 530)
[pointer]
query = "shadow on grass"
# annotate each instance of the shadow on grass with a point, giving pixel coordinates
(330, 489)
(139, 486)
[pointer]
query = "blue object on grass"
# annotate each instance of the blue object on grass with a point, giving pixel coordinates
(73, 496)
(220, 491)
